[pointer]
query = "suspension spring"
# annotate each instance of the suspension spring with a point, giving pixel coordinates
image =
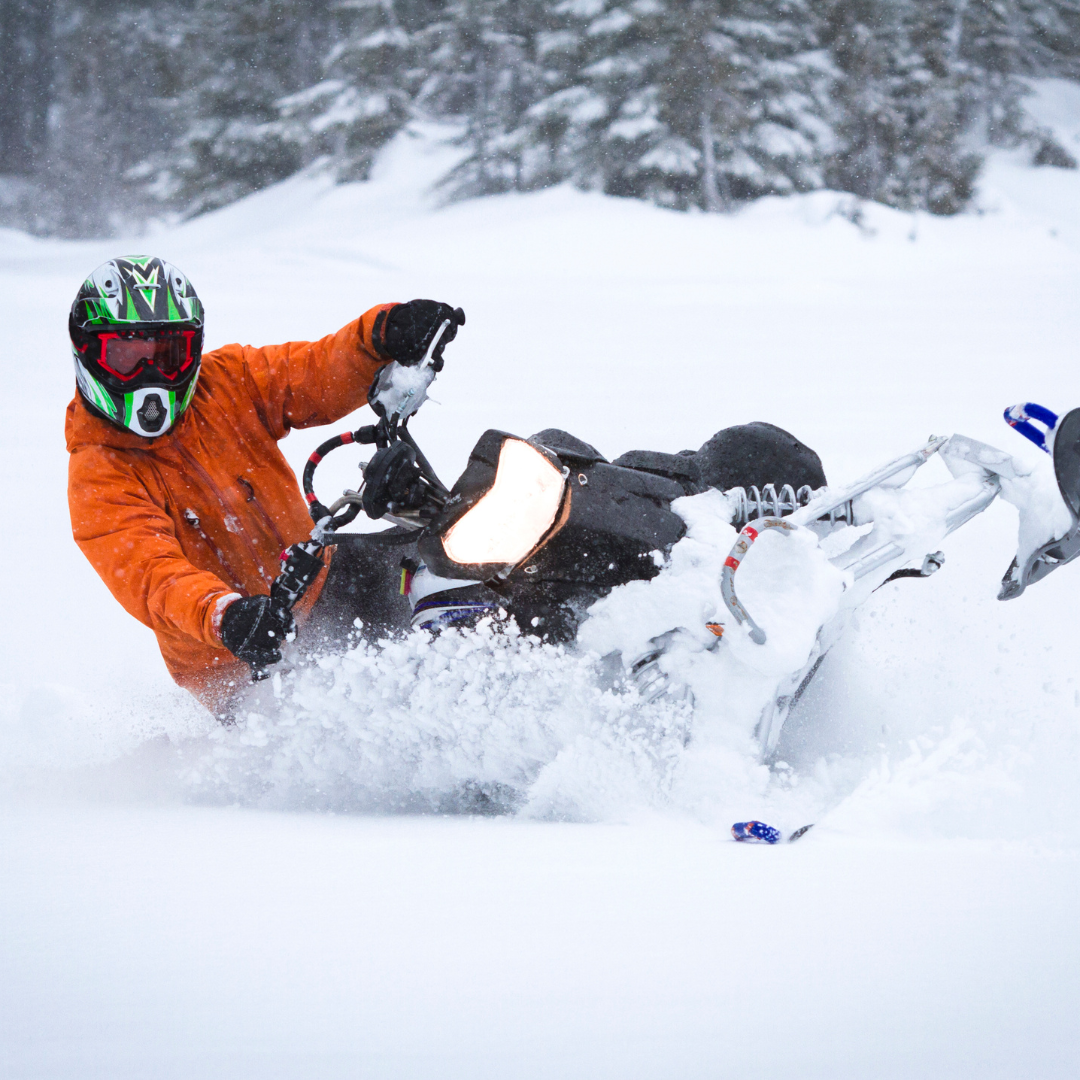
(752, 503)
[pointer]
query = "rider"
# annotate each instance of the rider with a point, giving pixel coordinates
(179, 495)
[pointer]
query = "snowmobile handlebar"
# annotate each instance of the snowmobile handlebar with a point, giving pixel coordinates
(399, 473)
(370, 433)
(396, 395)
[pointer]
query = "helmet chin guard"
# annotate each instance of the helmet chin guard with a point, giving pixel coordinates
(149, 411)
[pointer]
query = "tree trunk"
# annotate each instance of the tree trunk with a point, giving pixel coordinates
(710, 190)
(955, 34)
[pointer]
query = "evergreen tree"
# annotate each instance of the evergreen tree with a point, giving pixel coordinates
(488, 71)
(938, 100)
(740, 86)
(898, 105)
(26, 74)
(245, 57)
(90, 125)
(992, 42)
(865, 43)
(114, 108)
(1052, 37)
(692, 103)
(373, 73)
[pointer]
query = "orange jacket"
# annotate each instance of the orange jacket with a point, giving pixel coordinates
(178, 525)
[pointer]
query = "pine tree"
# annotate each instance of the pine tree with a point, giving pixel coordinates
(992, 41)
(899, 104)
(688, 103)
(96, 126)
(1052, 37)
(694, 103)
(373, 73)
(741, 85)
(938, 97)
(488, 72)
(246, 56)
(864, 39)
(26, 75)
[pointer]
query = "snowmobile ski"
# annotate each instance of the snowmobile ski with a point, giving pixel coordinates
(755, 832)
(760, 833)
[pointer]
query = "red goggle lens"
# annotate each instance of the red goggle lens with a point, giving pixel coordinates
(169, 353)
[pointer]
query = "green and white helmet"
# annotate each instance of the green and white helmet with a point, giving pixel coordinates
(137, 332)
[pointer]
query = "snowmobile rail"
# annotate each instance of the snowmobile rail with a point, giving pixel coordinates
(826, 506)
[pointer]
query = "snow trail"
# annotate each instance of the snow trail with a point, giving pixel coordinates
(469, 721)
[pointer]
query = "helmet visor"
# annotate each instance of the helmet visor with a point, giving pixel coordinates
(131, 352)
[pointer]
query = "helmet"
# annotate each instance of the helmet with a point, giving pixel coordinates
(136, 331)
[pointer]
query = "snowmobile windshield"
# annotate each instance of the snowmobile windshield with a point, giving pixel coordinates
(508, 522)
(128, 353)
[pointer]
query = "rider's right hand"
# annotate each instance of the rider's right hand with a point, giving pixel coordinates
(410, 328)
(254, 628)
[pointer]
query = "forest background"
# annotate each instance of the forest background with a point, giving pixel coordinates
(115, 113)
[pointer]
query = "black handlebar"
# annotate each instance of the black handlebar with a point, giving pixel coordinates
(368, 434)
(383, 434)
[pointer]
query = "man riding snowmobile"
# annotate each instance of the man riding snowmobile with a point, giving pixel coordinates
(184, 505)
(179, 495)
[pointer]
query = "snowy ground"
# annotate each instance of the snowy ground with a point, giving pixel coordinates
(176, 902)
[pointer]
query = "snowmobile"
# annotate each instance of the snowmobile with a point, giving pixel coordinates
(541, 528)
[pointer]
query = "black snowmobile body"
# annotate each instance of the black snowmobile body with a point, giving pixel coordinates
(614, 524)
(611, 522)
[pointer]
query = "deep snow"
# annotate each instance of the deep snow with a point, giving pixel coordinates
(924, 927)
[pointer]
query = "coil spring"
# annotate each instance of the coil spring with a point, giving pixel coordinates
(768, 502)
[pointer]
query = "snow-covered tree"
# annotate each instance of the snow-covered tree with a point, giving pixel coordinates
(898, 104)
(693, 103)
(1052, 37)
(70, 126)
(372, 74)
(26, 74)
(487, 70)
(688, 103)
(244, 57)
(742, 88)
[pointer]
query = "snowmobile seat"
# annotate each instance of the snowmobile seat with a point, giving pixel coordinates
(753, 455)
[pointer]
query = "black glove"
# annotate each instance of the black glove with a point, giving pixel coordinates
(254, 628)
(392, 477)
(408, 329)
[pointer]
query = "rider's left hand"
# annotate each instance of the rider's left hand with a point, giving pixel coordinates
(410, 328)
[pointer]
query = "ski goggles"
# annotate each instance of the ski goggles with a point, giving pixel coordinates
(128, 353)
